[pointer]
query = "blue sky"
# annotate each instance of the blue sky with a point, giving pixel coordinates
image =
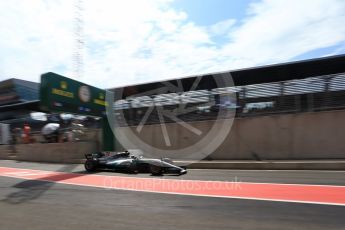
(136, 41)
(208, 12)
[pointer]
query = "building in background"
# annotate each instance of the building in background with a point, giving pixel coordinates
(18, 98)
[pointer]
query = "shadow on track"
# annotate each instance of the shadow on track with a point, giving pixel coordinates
(33, 189)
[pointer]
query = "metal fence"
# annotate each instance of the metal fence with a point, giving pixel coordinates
(309, 94)
(320, 93)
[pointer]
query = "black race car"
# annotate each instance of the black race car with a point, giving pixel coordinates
(127, 162)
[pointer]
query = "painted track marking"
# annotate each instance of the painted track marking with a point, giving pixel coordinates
(299, 193)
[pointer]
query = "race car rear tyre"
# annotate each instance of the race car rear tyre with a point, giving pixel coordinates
(156, 170)
(90, 166)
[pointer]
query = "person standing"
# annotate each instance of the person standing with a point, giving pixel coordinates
(27, 130)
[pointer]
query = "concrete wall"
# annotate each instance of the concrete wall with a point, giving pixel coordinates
(315, 135)
(69, 152)
(4, 151)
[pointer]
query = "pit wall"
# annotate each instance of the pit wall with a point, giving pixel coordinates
(303, 136)
(69, 152)
(4, 151)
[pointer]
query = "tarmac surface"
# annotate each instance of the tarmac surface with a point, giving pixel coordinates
(35, 204)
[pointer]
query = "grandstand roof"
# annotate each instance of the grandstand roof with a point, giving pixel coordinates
(256, 75)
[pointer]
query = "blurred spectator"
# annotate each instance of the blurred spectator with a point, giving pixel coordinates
(51, 132)
(26, 133)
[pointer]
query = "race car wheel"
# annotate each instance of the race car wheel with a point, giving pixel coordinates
(156, 170)
(90, 166)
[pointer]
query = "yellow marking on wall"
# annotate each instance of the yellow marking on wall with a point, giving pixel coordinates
(100, 102)
(62, 93)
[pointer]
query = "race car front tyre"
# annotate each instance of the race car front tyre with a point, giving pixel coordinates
(90, 166)
(156, 170)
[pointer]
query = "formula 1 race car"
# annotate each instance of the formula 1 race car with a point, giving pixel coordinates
(127, 162)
